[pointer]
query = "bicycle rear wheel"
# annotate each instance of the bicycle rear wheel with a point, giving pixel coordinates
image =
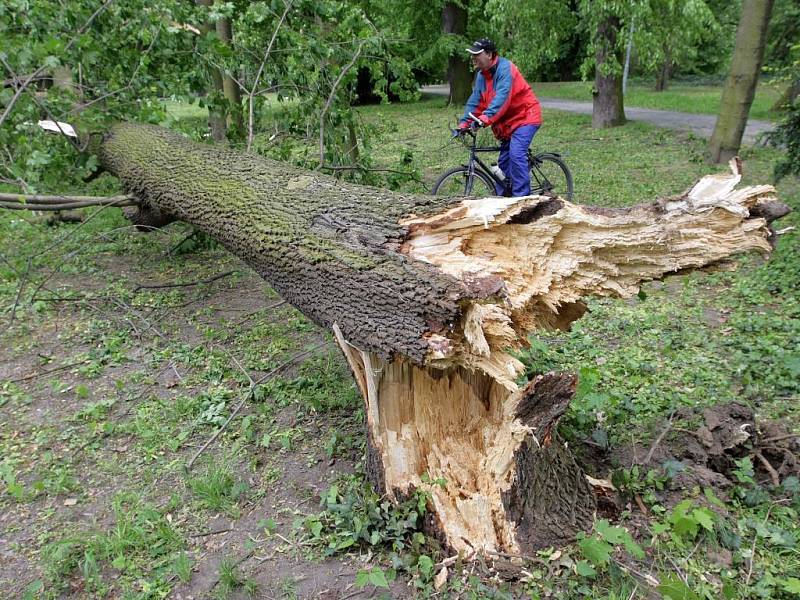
(455, 183)
(550, 175)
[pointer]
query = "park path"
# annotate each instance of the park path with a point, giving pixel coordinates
(698, 124)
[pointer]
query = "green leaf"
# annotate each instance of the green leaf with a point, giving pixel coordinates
(673, 588)
(345, 543)
(704, 517)
(269, 525)
(790, 584)
(362, 578)
(584, 569)
(333, 492)
(316, 528)
(425, 564)
(660, 527)
(596, 551)
(611, 534)
(378, 578)
(711, 497)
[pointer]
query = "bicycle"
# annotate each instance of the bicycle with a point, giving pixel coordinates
(549, 173)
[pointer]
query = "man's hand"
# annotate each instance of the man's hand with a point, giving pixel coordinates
(478, 121)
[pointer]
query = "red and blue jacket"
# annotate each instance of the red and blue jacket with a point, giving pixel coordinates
(501, 94)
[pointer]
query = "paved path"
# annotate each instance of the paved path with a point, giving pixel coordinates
(699, 124)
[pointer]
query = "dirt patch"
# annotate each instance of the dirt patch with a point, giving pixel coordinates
(701, 447)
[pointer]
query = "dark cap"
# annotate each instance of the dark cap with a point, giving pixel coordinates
(483, 44)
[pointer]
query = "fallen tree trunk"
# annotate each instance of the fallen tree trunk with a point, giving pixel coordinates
(428, 297)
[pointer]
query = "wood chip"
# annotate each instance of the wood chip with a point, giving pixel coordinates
(441, 579)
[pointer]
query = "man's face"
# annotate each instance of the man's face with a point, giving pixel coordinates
(482, 61)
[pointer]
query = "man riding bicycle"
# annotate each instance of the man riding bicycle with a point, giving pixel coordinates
(502, 99)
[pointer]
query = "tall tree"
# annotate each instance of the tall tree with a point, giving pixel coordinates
(671, 35)
(459, 76)
(544, 38)
(607, 101)
(216, 114)
(740, 87)
(783, 50)
(230, 88)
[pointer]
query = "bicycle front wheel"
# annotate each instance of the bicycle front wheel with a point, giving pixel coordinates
(550, 175)
(456, 182)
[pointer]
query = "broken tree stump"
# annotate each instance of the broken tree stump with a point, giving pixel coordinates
(429, 297)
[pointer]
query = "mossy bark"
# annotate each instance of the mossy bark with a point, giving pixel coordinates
(329, 248)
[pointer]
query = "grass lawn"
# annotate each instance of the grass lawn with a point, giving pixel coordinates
(681, 97)
(108, 389)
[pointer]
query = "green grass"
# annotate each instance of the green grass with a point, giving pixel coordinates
(682, 97)
(140, 545)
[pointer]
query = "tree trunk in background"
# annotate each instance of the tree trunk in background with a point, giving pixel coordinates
(740, 87)
(788, 96)
(664, 73)
(216, 116)
(459, 76)
(230, 88)
(607, 102)
(429, 298)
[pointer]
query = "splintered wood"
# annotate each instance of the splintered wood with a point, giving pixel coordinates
(550, 254)
(460, 426)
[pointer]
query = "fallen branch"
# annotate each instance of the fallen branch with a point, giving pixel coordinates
(779, 438)
(328, 103)
(61, 199)
(145, 286)
(250, 100)
(431, 297)
(773, 474)
(122, 201)
(48, 372)
(657, 441)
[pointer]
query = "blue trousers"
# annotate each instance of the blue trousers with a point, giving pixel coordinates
(513, 160)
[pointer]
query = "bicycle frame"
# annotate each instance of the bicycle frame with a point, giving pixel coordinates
(534, 160)
(474, 149)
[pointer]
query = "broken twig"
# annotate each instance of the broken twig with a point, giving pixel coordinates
(145, 286)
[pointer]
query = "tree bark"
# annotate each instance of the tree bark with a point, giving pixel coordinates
(216, 116)
(429, 297)
(459, 76)
(230, 88)
(607, 106)
(788, 96)
(740, 87)
(664, 73)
